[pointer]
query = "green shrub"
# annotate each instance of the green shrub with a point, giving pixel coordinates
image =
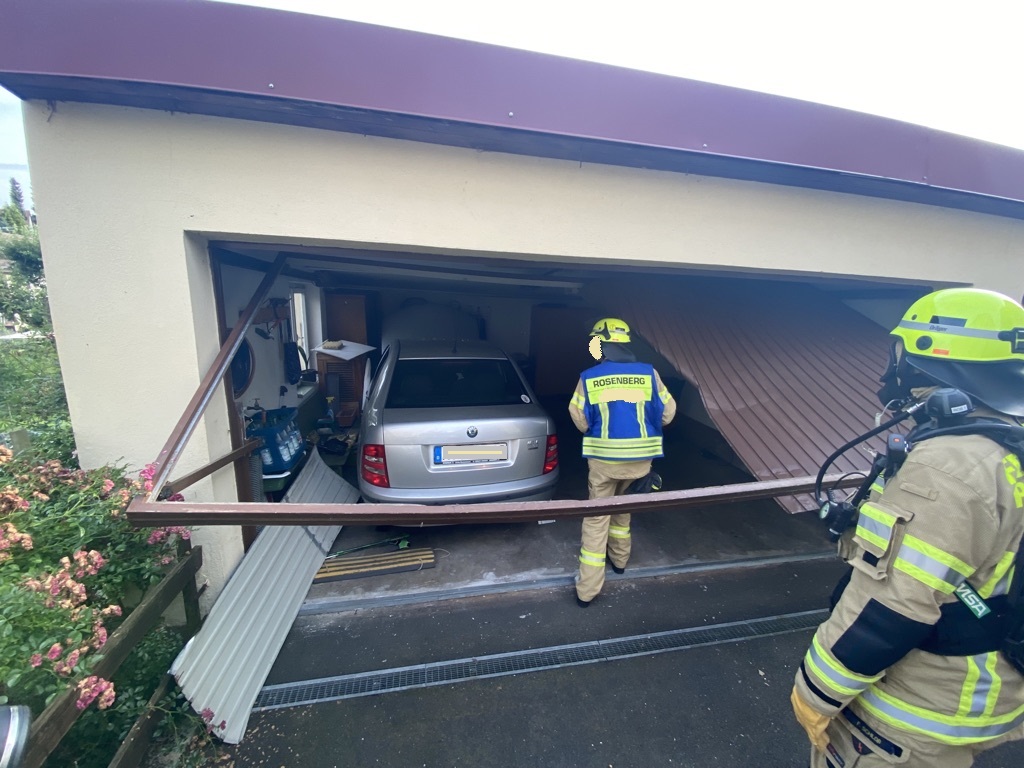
(97, 734)
(70, 563)
(32, 397)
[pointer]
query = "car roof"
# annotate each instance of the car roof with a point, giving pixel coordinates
(417, 349)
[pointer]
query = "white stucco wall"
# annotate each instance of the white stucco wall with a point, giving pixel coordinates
(127, 199)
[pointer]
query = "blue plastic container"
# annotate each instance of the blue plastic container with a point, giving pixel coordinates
(283, 445)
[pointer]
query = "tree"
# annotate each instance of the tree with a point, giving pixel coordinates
(22, 284)
(13, 217)
(25, 256)
(17, 197)
(23, 288)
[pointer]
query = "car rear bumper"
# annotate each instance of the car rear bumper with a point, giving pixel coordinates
(533, 489)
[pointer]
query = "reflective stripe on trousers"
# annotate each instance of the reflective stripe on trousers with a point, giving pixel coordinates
(606, 533)
(603, 534)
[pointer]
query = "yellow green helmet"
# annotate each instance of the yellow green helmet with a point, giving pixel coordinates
(611, 329)
(970, 339)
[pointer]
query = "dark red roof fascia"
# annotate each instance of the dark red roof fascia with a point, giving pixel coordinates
(239, 61)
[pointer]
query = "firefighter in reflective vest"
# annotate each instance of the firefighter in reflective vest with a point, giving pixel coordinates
(908, 669)
(620, 406)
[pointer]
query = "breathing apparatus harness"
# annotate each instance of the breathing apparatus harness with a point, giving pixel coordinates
(948, 411)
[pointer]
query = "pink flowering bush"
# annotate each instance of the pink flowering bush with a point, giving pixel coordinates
(70, 567)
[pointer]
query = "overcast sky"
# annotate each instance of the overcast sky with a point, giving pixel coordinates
(951, 65)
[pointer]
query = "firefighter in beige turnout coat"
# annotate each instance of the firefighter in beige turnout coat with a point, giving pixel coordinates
(905, 671)
(620, 406)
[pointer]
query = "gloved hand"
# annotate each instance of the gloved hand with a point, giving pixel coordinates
(812, 721)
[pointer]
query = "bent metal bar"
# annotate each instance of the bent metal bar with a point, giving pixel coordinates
(159, 513)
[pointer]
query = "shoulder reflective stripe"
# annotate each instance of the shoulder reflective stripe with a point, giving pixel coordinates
(591, 558)
(872, 529)
(951, 330)
(618, 531)
(603, 407)
(931, 566)
(838, 677)
(999, 584)
(948, 729)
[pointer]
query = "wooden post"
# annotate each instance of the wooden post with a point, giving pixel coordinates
(136, 743)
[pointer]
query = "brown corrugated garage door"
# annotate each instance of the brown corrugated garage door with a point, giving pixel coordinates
(787, 372)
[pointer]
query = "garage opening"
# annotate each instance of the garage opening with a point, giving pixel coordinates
(770, 373)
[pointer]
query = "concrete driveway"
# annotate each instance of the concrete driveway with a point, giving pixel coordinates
(685, 669)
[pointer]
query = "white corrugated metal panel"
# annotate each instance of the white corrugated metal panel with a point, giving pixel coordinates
(224, 666)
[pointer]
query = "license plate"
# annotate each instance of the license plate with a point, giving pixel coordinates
(470, 454)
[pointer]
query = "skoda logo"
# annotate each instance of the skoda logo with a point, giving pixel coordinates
(472, 432)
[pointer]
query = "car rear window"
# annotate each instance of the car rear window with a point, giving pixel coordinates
(456, 382)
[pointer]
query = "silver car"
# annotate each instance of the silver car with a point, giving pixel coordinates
(453, 423)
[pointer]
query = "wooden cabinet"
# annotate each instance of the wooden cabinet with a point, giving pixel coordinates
(341, 379)
(348, 318)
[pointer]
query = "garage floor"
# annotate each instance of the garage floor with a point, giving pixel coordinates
(477, 559)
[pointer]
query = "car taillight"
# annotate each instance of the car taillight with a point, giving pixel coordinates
(551, 456)
(374, 466)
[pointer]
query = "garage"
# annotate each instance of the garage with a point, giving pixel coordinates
(308, 180)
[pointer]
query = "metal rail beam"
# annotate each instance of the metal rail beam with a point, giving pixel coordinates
(150, 513)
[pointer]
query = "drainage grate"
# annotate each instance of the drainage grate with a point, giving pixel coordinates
(446, 672)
